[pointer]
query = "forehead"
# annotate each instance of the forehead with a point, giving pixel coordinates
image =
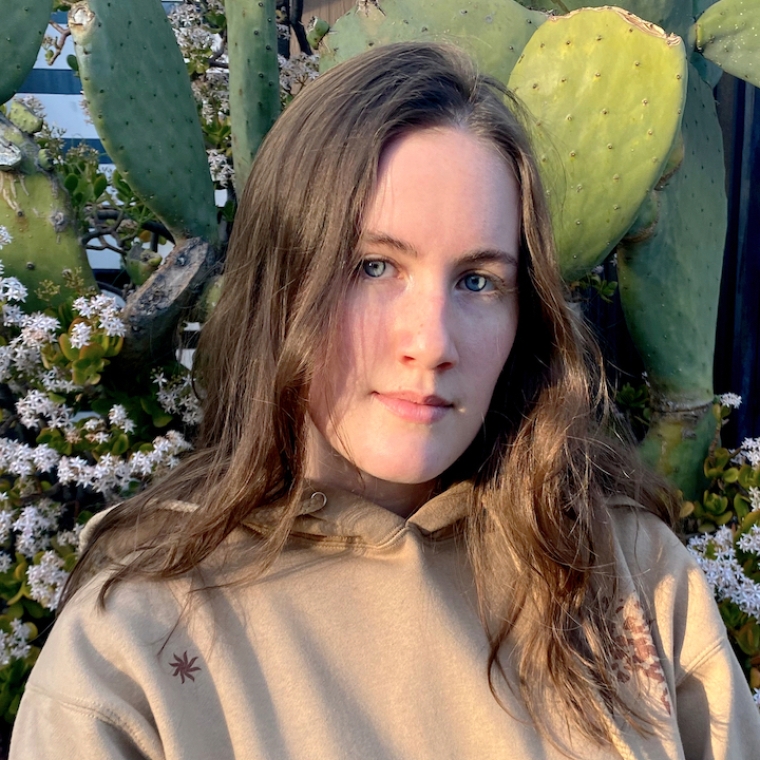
(434, 181)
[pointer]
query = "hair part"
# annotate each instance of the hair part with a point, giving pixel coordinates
(542, 467)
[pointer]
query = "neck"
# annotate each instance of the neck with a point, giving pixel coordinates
(327, 467)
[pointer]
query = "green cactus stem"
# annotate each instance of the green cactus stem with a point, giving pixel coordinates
(728, 33)
(493, 32)
(138, 91)
(606, 91)
(316, 29)
(669, 289)
(152, 313)
(21, 31)
(44, 252)
(254, 79)
(24, 118)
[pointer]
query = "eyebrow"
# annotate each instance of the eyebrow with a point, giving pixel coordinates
(477, 256)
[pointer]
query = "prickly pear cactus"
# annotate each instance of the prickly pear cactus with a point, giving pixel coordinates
(139, 96)
(606, 91)
(728, 33)
(44, 252)
(669, 288)
(23, 26)
(493, 32)
(254, 79)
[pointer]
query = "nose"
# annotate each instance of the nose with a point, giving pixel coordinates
(424, 331)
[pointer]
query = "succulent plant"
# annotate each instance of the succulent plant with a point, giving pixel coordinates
(35, 210)
(139, 96)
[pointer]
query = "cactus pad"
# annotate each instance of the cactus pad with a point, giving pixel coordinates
(493, 32)
(23, 25)
(139, 95)
(728, 33)
(606, 91)
(45, 253)
(254, 79)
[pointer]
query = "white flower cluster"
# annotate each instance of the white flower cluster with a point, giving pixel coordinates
(22, 353)
(716, 556)
(750, 541)
(37, 405)
(104, 309)
(731, 400)
(177, 396)
(112, 475)
(34, 525)
(5, 238)
(297, 71)
(193, 36)
(46, 580)
(22, 460)
(198, 42)
(222, 171)
(750, 451)
(14, 645)
(119, 418)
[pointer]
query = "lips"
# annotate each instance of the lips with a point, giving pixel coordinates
(414, 407)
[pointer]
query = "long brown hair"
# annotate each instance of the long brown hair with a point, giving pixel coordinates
(541, 470)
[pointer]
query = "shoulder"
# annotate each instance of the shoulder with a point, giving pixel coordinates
(92, 645)
(94, 684)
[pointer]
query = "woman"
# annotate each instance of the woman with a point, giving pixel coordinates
(403, 532)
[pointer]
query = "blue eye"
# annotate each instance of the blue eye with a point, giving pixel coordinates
(374, 267)
(475, 282)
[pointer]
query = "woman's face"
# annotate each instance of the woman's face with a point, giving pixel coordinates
(428, 324)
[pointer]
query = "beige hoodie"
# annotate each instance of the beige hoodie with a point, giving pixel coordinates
(363, 642)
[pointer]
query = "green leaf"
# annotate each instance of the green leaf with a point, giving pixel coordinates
(100, 185)
(731, 475)
(120, 445)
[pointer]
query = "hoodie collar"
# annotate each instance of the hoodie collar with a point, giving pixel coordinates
(331, 513)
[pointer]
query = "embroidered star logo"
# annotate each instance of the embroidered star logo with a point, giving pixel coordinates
(183, 667)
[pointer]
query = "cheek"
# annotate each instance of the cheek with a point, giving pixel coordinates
(486, 353)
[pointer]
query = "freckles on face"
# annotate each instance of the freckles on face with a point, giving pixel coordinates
(430, 318)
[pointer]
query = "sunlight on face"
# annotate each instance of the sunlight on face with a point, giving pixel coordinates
(429, 322)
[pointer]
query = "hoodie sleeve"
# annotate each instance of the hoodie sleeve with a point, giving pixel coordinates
(55, 726)
(87, 696)
(717, 716)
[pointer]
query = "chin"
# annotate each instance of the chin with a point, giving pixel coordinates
(404, 470)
